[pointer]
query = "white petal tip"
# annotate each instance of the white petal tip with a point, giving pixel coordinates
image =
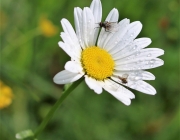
(127, 103)
(98, 91)
(153, 93)
(150, 41)
(115, 9)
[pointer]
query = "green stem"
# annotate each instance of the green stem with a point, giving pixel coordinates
(55, 107)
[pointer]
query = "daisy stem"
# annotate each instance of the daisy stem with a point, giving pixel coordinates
(55, 107)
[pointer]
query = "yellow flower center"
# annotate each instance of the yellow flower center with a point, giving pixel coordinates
(97, 63)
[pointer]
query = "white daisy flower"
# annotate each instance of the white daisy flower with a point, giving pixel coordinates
(108, 60)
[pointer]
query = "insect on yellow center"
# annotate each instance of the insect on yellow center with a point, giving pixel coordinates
(97, 63)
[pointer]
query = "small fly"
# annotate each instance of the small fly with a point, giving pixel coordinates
(108, 26)
(123, 78)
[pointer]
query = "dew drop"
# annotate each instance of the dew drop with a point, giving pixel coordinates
(139, 68)
(137, 53)
(135, 73)
(134, 47)
(137, 78)
(152, 61)
(149, 55)
(132, 35)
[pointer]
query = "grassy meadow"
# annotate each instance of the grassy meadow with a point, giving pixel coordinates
(30, 57)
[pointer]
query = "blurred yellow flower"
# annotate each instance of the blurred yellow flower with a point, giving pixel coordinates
(47, 27)
(3, 21)
(5, 95)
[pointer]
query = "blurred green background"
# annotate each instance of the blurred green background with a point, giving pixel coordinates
(30, 57)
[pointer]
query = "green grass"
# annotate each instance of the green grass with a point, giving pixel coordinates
(29, 61)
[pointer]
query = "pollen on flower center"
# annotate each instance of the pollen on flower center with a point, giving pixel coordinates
(97, 63)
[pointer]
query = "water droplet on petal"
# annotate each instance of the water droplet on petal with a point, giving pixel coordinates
(137, 78)
(152, 61)
(139, 68)
(149, 55)
(132, 35)
(137, 53)
(134, 47)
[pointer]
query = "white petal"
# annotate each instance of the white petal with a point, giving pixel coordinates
(150, 52)
(118, 96)
(112, 17)
(142, 55)
(133, 30)
(66, 48)
(65, 77)
(73, 67)
(141, 63)
(146, 53)
(118, 88)
(68, 29)
(135, 82)
(75, 51)
(122, 94)
(88, 27)
(96, 8)
(93, 84)
(143, 87)
(142, 42)
(147, 76)
(135, 46)
(111, 41)
(78, 25)
(133, 75)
